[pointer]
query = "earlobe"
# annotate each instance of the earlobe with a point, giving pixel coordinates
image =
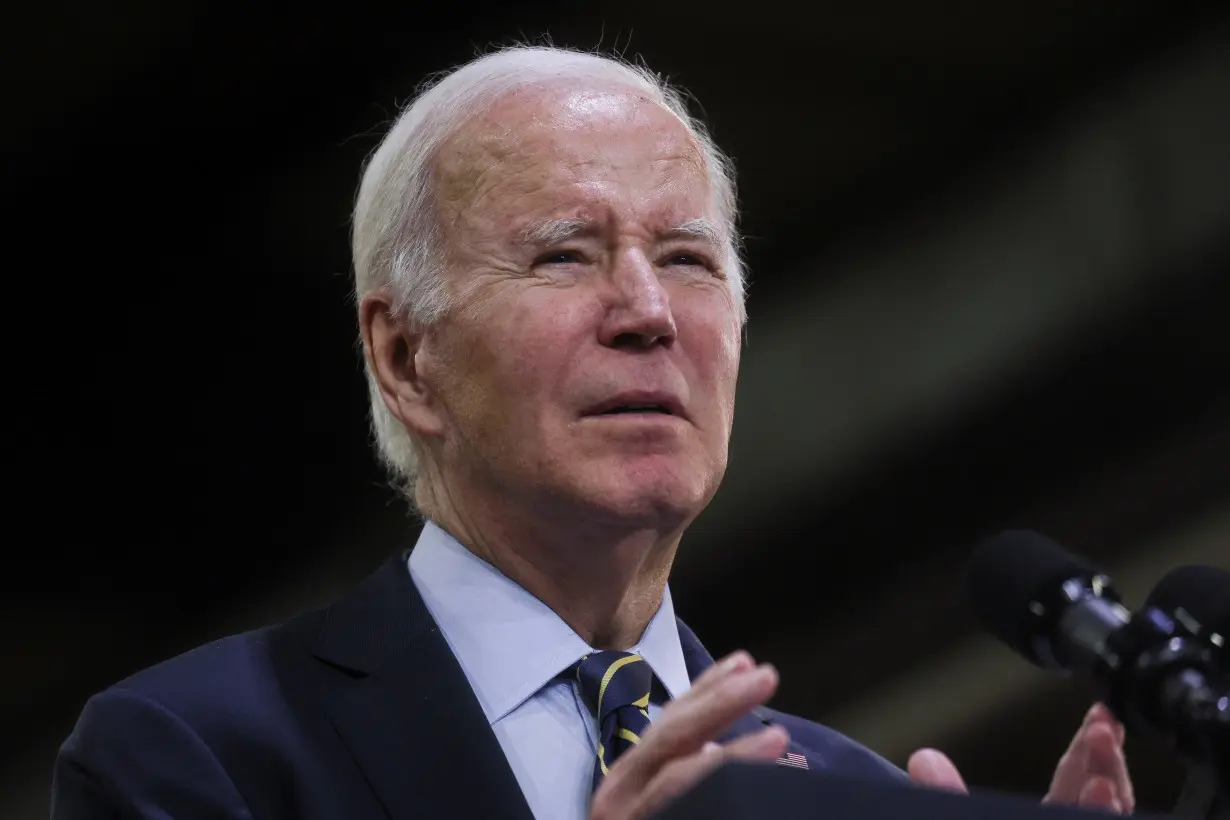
(391, 349)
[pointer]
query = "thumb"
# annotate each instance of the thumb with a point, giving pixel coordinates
(933, 769)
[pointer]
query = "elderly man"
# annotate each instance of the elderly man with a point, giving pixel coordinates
(551, 308)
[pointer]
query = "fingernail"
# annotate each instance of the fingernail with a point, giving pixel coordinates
(766, 671)
(733, 661)
(771, 737)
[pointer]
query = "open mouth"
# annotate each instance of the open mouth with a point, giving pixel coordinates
(638, 405)
(628, 409)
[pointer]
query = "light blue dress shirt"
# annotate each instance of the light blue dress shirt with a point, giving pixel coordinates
(512, 646)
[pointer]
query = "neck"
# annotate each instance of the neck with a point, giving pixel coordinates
(605, 580)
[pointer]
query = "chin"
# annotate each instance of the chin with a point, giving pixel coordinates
(650, 494)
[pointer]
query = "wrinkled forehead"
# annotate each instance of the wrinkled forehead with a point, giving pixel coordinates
(567, 137)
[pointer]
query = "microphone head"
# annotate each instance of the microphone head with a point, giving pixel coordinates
(1202, 591)
(1018, 585)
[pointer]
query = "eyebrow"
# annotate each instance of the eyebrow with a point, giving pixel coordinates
(701, 229)
(555, 231)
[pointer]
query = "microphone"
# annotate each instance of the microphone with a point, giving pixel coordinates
(1199, 597)
(1062, 613)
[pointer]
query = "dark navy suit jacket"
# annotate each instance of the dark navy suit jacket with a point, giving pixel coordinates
(353, 712)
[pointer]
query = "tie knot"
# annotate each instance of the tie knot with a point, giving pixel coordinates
(613, 680)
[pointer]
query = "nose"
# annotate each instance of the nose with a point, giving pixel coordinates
(639, 312)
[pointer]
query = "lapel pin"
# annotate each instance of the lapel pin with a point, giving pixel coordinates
(793, 760)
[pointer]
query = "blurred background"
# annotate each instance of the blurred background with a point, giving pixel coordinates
(990, 260)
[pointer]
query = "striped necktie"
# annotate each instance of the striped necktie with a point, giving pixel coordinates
(615, 687)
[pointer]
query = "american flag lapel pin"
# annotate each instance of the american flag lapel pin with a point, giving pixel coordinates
(793, 760)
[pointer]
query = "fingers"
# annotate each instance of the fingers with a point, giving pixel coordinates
(934, 770)
(1093, 771)
(738, 661)
(1105, 761)
(1100, 713)
(702, 716)
(1070, 774)
(677, 750)
(1099, 793)
(678, 776)
(766, 745)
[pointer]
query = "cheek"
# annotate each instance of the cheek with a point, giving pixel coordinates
(524, 352)
(732, 351)
(715, 348)
(725, 374)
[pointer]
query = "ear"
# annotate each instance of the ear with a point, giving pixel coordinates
(392, 351)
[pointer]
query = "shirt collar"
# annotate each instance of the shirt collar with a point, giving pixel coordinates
(509, 643)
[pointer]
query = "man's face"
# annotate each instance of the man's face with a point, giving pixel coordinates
(593, 355)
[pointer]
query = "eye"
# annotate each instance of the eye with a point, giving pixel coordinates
(686, 260)
(560, 258)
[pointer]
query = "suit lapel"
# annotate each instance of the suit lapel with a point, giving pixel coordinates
(410, 718)
(697, 659)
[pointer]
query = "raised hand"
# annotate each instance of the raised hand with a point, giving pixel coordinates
(1092, 773)
(679, 749)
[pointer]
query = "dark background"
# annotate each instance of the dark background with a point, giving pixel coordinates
(989, 247)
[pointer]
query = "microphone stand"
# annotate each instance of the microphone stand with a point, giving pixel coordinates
(1202, 797)
(1206, 791)
(1172, 686)
(1204, 733)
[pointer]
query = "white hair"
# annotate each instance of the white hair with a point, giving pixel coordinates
(396, 241)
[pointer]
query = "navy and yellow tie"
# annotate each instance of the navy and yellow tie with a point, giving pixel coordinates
(615, 687)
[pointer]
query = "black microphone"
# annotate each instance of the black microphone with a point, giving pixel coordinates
(1062, 613)
(1199, 597)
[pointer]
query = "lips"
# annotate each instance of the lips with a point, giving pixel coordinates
(638, 403)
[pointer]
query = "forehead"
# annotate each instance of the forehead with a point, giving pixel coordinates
(575, 152)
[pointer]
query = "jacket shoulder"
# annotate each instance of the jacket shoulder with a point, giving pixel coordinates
(238, 682)
(840, 754)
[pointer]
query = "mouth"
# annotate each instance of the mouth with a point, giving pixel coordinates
(638, 405)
